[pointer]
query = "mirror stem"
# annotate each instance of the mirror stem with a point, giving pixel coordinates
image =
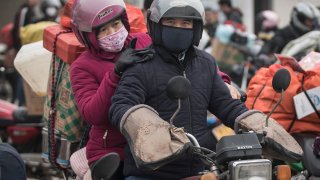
(175, 113)
(274, 107)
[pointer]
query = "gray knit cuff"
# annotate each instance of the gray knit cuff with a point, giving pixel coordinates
(131, 110)
(242, 116)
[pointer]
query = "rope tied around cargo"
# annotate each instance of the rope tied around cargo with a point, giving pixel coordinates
(52, 154)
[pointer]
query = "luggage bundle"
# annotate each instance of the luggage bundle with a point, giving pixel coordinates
(65, 127)
(305, 80)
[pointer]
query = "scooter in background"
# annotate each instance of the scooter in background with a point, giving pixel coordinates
(19, 129)
(310, 168)
(23, 132)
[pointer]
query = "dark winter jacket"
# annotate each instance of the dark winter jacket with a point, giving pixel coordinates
(280, 40)
(235, 15)
(145, 83)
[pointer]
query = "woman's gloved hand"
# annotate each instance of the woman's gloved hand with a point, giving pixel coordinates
(132, 56)
(152, 141)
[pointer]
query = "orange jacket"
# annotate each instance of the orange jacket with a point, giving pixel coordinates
(136, 19)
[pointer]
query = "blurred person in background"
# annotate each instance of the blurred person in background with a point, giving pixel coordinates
(305, 17)
(146, 6)
(211, 23)
(8, 55)
(26, 22)
(233, 15)
(25, 15)
(51, 10)
(211, 17)
(267, 22)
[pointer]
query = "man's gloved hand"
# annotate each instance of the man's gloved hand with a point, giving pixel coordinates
(131, 56)
(279, 144)
(235, 94)
(152, 141)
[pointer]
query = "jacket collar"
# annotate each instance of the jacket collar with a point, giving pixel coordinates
(168, 57)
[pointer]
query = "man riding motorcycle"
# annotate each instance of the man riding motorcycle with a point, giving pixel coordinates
(141, 108)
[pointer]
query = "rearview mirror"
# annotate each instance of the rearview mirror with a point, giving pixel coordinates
(178, 87)
(281, 80)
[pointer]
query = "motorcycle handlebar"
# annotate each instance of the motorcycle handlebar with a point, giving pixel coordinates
(243, 95)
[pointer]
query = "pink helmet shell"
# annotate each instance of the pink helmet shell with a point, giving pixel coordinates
(87, 15)
(271, 19)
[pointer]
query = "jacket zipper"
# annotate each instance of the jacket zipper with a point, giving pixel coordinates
(190, 119)
(184, 69)
(188, 99)
(105, 139)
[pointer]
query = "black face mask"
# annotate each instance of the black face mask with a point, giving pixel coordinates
(175, 39)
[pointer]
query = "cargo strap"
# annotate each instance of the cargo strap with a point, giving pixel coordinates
(52, 112)
(310, 101)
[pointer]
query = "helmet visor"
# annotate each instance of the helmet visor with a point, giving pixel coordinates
(162, 8)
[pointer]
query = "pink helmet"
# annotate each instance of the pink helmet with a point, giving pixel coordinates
(89, 15)
(271, 19)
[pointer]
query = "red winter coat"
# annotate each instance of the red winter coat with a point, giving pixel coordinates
(93, 83)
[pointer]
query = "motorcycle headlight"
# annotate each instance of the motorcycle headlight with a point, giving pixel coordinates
(258, 169)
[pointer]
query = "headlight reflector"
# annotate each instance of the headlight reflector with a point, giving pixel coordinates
(257, 169)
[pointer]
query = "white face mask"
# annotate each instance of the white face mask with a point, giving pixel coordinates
(114, 42)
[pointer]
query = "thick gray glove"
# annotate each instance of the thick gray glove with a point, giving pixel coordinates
(279, 144)
(153, 143)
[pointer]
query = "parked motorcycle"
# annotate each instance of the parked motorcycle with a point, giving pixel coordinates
(24, 133)
(19, 129)
(310, 161)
